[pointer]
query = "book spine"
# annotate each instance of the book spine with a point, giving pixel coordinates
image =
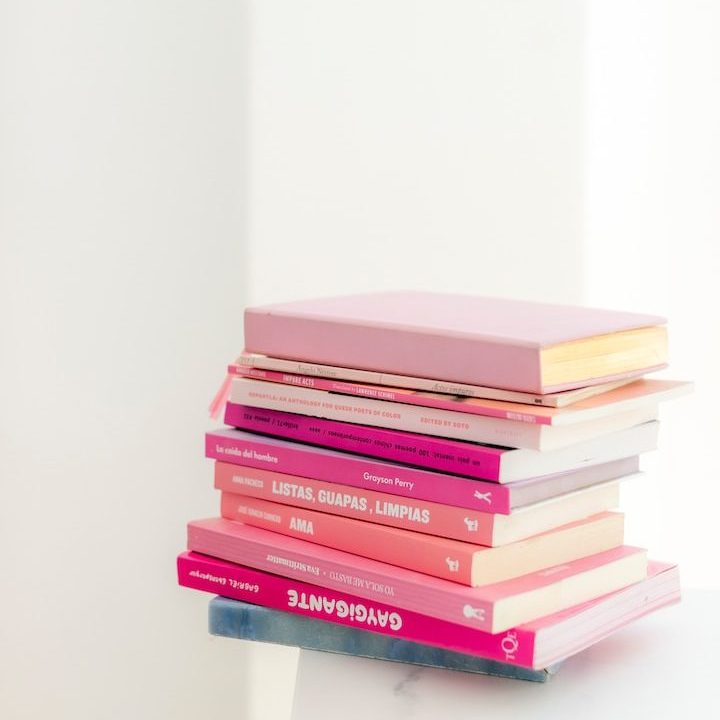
(388, 394)
(447, 456)
(472, 607)
(237, 582)
(281, 365)
(361, 472)
(418, 515)
(301, 560)
(439, 557)
(379, 413)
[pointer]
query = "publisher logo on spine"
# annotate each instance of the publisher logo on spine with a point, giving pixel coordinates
(509, 645)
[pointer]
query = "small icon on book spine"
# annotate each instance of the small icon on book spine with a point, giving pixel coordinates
(509, 645)
(453, 565)
(470, 612)
(485, 497)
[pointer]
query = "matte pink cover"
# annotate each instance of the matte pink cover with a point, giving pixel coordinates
(429, 554)
(373, 580)
(418, 515)
(516, 646)
(459, 338)
(307, 461)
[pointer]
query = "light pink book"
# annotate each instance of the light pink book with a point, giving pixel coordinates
(628, 397)
(470, 427)
(458, 338)
(564, 398)
(534, 645)
(480, 528)
(462, 562)
(478, 460)
(250, 450)
(492, 608)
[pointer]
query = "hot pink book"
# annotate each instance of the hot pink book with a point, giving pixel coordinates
(485, 462)
(250, 450)
(492, 608)
(462, 562)
(533, 645)
(480, 528)
(460, 338)
(634, 395)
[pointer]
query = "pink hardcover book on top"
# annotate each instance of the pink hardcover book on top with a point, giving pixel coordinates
(509, 344)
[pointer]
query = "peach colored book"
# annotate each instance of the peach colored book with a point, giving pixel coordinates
(534, 644)
(331, 372)
(480, 528)
(492, 608)
(630, 396)
(461, 562)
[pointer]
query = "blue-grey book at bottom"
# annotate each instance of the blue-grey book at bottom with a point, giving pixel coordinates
(235, 619)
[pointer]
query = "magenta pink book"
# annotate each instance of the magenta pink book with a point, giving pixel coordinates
(459, 338)
(518, 646)
(492, 608)
(308, 461)
(458, 457)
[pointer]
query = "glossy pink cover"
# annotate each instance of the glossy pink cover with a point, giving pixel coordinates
(294, 458)
(515, 646)
(373, 580)
(457, 457)
(308, 461)
(435, 453)
(458, 338)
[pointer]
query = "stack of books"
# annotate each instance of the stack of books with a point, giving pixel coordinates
(437, 473)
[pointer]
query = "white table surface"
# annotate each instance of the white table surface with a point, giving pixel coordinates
(660, 667)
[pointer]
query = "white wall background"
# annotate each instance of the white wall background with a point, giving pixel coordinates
(164, 163)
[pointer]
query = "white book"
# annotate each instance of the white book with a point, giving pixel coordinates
(432, 421)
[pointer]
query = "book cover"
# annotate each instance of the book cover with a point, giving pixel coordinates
(251, 450)
(448, 521)
(462, 562)
(432, 421)
(460, 338)
(493, 608)
(244, 621)
(558, 635)
(483, 462)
